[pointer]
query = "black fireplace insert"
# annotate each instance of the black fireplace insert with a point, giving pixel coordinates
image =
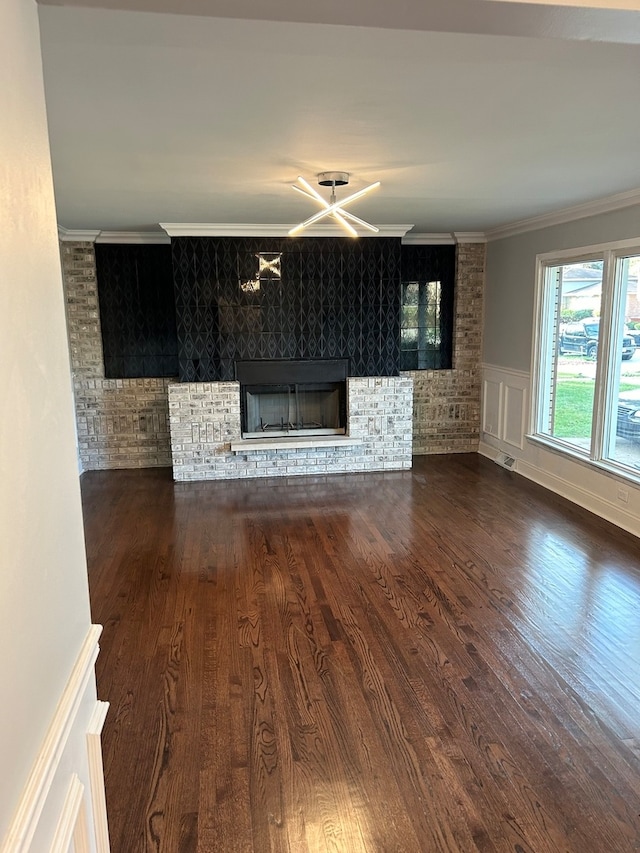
(280, 397)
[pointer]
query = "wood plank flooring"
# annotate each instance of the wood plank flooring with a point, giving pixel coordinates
(446, 659)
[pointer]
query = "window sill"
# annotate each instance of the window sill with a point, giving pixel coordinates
(605, 466)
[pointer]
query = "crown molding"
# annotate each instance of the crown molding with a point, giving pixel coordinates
(238, 229)
(470, 236)
(567, 214)
(80, 235)
(412, 239)
(140, 237)
(66, 235)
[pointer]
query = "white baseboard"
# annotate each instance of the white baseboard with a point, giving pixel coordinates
(583, 497)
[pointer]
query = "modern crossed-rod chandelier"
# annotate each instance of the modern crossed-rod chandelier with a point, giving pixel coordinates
(333, 207)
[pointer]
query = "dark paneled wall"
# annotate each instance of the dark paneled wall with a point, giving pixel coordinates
(337, 298)
(192, 309)
(137, 310)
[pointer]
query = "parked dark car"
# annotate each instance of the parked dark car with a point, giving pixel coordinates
(635, 334)
(582, 337)
(628, 423)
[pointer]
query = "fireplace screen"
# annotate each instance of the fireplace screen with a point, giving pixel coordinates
(278, 408)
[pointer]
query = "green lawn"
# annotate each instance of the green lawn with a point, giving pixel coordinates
(574, 406)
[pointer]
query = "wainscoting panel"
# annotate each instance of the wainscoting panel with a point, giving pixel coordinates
(72, 826)
(491, 407)
(62, 806)
(514, 415)
(505, 401)
(505, 397)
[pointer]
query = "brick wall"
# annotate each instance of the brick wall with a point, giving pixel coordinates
(121, 423)
(205, 420)
(124, 423)
(83, 314)
(446, 403)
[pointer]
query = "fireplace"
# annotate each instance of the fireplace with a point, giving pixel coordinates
(282, 397)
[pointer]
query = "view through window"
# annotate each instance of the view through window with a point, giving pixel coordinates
(588, 376)
(420, 336)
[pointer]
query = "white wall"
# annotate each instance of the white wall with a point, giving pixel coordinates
(48, 646)
(506, 381)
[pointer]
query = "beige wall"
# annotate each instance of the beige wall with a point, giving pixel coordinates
(44, 602)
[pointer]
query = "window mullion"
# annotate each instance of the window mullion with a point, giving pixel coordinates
(606, 360)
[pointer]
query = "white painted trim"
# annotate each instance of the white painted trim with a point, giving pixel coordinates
(25, 820)
(508, 389)
(76, 236)
(495, 428)
(137, 237)
(588, 252)
(470, 236)
(96, 776)
(567, 214)
(81, 840)
(509, 383)
(416, 239)
(522, 374)
(67, 235)
(240, 229)
(71, 822)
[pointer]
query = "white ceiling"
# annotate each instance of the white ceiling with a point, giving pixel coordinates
(472, 113)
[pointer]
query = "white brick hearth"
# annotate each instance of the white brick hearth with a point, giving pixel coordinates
(205, 421)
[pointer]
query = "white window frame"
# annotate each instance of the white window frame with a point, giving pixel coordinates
(605, 380)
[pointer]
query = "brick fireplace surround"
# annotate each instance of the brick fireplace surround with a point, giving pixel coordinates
(207, 445)
(125, 423)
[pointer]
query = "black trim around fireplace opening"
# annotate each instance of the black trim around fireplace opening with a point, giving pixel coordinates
(284, 396)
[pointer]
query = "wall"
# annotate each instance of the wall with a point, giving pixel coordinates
(121, 423)
(337, 298)
(446, 403)
(124, 423)
(510, 279)
(509, 322)
(137, 310)
(49, 712)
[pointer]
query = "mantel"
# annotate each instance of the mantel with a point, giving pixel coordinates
(314, 442)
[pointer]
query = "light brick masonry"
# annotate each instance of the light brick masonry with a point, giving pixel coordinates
(121, 423)
(205, 419)
(446, 403)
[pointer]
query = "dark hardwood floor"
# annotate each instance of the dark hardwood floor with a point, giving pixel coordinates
(446, 659)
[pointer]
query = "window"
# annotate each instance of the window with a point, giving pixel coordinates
(587, 365)
(420, 337)
(426, 311)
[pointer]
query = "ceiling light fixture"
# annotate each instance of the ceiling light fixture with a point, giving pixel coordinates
(333, 207)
